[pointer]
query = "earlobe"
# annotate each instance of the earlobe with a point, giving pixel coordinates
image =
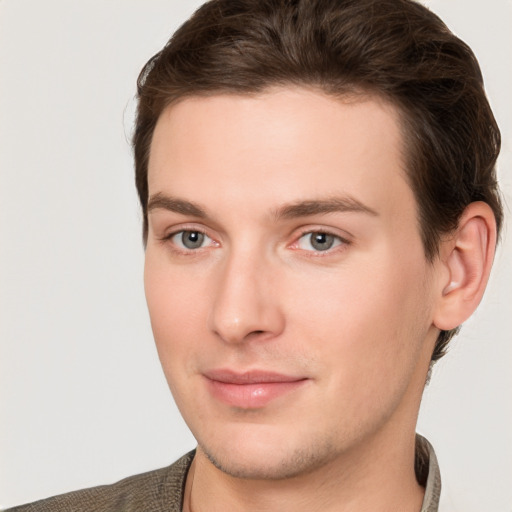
(467, 256)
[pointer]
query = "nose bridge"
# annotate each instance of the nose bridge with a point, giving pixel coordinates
(244, 302)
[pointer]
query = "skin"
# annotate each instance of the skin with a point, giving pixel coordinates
(356, 322)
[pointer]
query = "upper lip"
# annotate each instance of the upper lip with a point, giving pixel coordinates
(249, 377)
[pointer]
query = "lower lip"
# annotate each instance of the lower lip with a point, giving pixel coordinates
(253, 395)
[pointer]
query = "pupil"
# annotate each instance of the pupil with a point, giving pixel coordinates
(322, 241)
(192, 239)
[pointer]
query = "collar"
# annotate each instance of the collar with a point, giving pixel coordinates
(428, 474)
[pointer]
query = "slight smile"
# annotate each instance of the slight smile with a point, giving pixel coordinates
(250, 390)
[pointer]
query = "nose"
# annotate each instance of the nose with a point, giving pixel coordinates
(246, 303)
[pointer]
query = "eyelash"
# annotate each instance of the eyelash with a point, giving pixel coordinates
(340, 246)
(188, 252)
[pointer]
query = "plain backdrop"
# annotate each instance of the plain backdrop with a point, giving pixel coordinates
(82, 398)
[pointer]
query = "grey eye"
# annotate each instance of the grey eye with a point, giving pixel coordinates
(318, 241)
(190, 239)
(321, 241)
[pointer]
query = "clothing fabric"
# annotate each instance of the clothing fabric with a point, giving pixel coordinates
(428, 474)
(162, 490)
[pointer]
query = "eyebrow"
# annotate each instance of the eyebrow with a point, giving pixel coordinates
(173, 204)
(322, 206)
(290, 211)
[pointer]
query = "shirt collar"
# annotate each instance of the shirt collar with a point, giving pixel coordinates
(428, 474)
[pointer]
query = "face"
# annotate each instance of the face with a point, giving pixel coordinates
(288, 290)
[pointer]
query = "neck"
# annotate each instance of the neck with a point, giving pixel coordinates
(368, 478)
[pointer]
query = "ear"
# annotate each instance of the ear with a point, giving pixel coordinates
(466, 258)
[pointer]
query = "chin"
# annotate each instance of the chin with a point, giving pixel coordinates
(266, 459)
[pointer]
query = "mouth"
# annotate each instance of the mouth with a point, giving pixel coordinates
(250, 390)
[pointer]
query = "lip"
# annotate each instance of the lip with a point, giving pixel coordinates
(252, 389)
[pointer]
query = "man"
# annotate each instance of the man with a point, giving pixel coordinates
(320, 215)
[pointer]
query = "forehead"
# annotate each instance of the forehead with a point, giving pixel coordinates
(281, 145)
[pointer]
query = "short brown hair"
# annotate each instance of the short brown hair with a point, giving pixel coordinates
(396, 49)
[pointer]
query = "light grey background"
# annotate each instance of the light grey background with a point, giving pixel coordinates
(82, 398)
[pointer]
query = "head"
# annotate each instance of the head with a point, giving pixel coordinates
(364, 122)
(393, 49)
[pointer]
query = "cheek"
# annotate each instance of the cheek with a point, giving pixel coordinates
(174, 309)
(366, 322)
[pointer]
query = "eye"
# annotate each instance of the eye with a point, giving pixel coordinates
(318, 241)
(190, 240)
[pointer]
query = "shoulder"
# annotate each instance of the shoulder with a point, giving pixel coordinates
(155, 491)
